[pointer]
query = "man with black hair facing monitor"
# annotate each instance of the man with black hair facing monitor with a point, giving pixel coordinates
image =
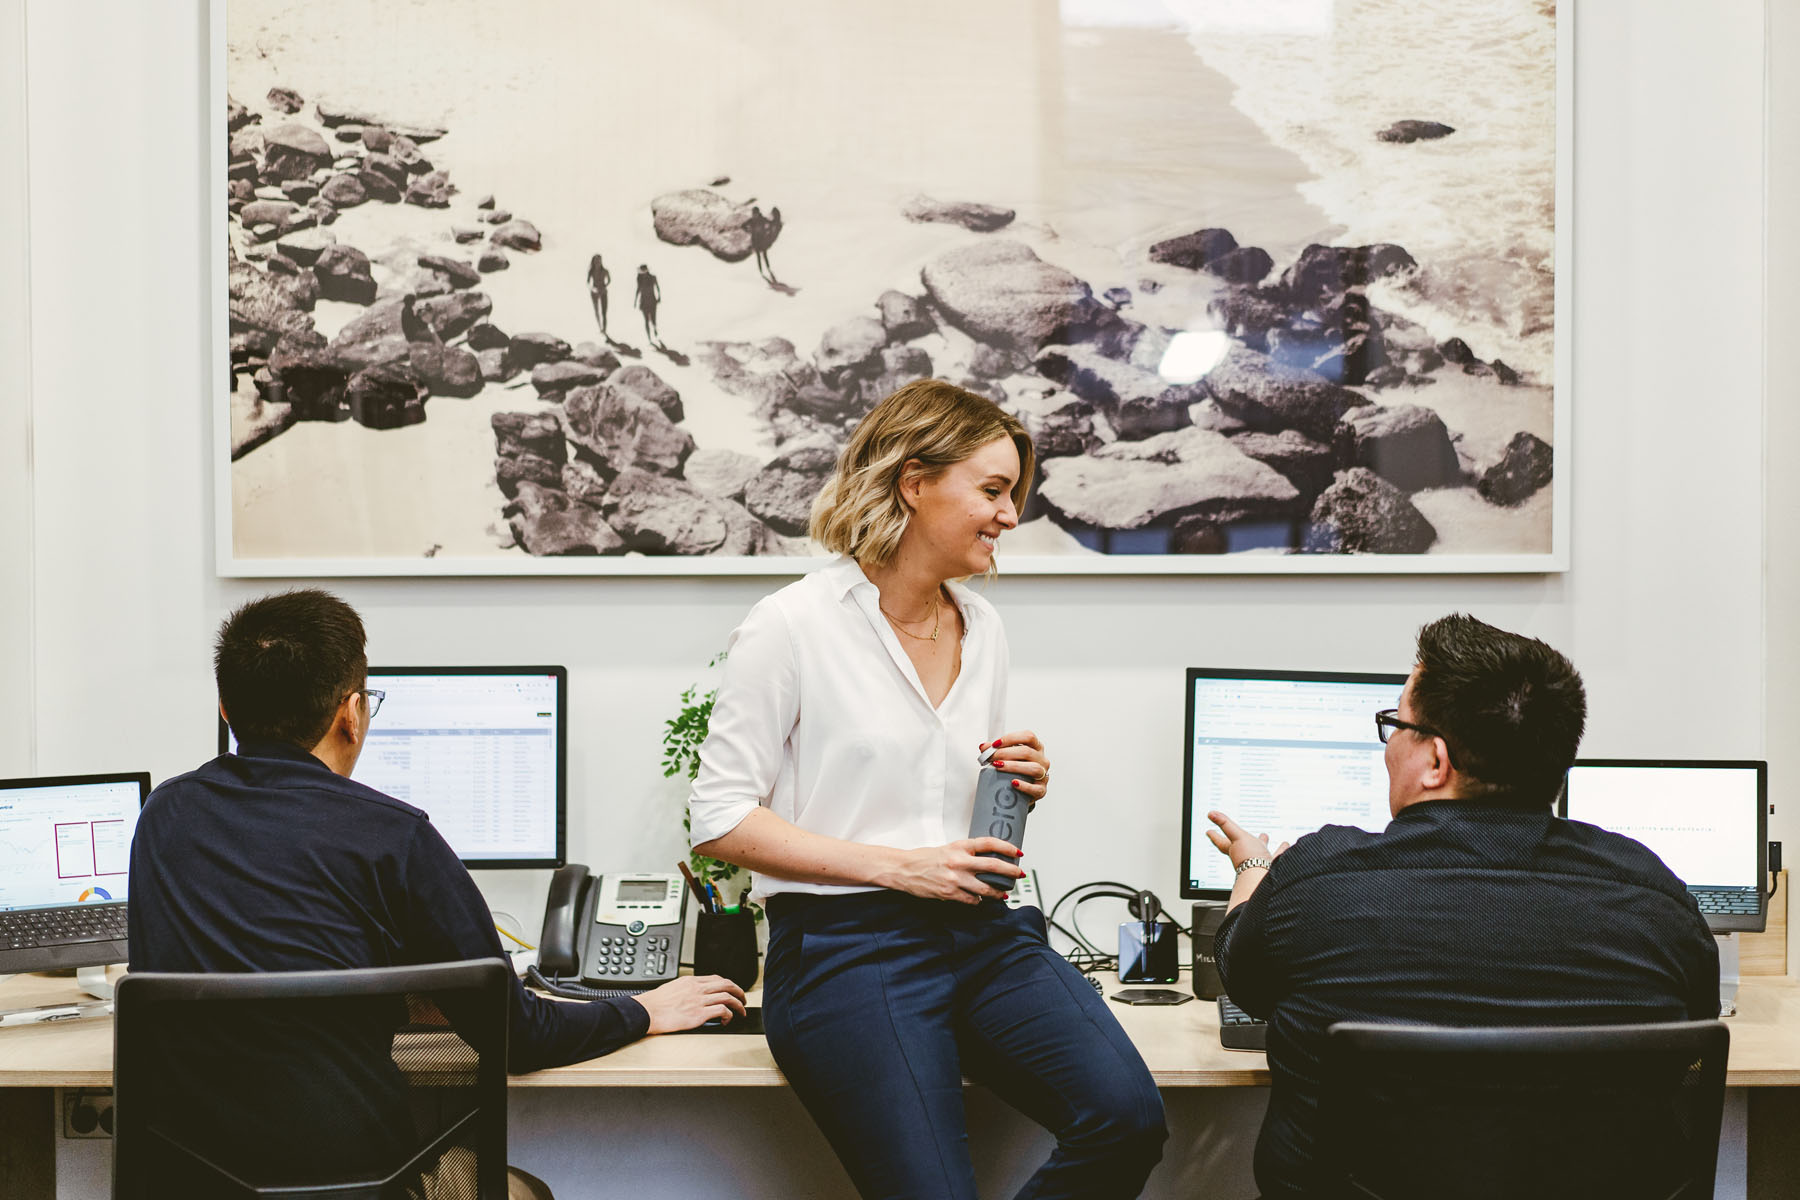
(273, 859)
(1477, 906)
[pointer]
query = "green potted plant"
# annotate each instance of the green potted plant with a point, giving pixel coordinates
(682, 735)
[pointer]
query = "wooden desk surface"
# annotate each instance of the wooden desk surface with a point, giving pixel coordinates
(1180, 1044)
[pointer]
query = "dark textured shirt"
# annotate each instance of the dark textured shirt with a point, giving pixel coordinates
(267, 860)
(1460, 913)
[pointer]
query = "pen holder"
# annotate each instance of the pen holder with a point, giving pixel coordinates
(725, 944)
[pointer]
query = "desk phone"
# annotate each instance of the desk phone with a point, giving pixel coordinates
(613, 931)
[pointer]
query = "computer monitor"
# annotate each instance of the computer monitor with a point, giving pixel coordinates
(65, 863)
(1708, 820)
(483, 750)
(1283, 753)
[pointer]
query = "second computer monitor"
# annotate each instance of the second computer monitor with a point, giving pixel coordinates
(1706, 819)
(483, 750)
(1282, 753)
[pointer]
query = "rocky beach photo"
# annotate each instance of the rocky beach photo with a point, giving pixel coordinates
(456, 340)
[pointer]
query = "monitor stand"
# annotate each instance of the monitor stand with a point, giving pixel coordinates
(94, 982)
(1728, 973)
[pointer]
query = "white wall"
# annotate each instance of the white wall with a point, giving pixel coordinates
(1782, 436)
(17, 698)
(1664, 610)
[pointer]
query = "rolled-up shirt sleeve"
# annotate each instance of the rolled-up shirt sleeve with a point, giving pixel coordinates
(752, 717)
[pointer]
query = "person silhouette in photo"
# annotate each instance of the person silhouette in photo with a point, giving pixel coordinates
(415, 329)
(763, 231)
(649, 295)
(598, 279)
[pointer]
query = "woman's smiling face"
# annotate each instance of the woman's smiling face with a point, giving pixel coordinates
(959, 514)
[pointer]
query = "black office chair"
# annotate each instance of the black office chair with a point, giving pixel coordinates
(381, 1084)
(1620, 1111)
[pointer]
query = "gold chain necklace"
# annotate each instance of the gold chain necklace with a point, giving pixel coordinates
(937, 618)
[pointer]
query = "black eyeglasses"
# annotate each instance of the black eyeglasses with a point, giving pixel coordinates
(376, 696)
(1388, 720)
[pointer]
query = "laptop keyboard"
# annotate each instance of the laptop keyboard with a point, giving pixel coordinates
(22, 929)
(1731, 903)
(1238, 1030)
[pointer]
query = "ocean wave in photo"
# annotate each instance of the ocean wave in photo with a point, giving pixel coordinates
(1476, 207)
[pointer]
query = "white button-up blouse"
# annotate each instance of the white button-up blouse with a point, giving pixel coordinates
(821, 717)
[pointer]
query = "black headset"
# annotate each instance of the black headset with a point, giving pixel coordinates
(1146, 908)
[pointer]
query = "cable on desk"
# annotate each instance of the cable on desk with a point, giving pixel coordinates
(1085, 955)
(570, 990)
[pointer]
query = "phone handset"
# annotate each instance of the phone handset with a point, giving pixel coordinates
(558, 955)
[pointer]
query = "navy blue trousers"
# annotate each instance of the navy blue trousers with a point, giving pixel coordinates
(877, 1004)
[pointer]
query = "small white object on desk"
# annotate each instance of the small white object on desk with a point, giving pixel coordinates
(55, 1012)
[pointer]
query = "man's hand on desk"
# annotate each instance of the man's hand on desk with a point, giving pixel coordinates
(692, 1001)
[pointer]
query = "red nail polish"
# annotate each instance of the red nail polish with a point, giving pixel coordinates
(1015, 783)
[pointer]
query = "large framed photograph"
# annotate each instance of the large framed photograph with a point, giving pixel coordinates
(563, 287)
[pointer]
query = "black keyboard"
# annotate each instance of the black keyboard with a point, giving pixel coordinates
(1238, 1030)
(1734, 902)
(25, 928)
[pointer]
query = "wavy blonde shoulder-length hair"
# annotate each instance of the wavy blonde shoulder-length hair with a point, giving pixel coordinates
(859, 511)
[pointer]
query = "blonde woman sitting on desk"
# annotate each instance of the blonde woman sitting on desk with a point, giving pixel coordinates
(841, 768)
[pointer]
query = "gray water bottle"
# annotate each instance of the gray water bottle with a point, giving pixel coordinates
(1000, 811)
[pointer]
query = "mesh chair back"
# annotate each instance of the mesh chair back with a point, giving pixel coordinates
(385, 1083)
(1630, 1112)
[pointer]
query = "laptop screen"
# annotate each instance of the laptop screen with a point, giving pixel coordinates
(67, 840)
(1703, 819)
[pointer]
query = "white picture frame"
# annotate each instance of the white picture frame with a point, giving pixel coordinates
(239, 556)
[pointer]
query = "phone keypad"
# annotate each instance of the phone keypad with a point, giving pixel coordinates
(617, 956)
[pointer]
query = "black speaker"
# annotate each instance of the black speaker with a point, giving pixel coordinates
(1207, 916)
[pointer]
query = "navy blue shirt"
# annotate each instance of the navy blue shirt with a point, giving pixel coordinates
(1461, 913)
(267, 860)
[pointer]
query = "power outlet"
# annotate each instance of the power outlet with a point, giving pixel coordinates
(88, 1113)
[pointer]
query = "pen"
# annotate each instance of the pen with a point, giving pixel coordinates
(718, 905)
(694, 885)
(54, 1012)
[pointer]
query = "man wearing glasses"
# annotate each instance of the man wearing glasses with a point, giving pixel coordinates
(274, 859)
(1476, 906)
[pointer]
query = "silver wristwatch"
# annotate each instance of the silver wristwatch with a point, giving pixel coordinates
(1264, 863)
